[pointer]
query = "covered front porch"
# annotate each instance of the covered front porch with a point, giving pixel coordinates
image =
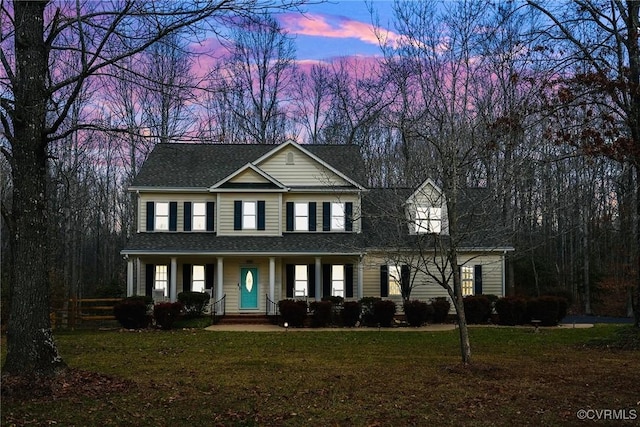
(246, 283)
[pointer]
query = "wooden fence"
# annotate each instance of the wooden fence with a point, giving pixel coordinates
(80, 310)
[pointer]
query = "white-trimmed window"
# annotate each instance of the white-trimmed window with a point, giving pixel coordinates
(394, 280)
(301, 216)
(198, 279)
(337, 280)
(249, 216)
(302, 281)
(162, 216)
(428, 219)
(160, 278)
(337, 216)
(199, 216)
(466, 277)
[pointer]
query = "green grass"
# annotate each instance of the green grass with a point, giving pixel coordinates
(340, 377)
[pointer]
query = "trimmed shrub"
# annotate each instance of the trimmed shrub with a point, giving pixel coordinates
(294, 312)
(477, 309)
(383, 312)
(166, 313)
(441, 306)
(194, 303)
(546, 309)
(417, 312)
(512, 310)
(350, 313)
(367, 303)
(132, 312)
(322, 311)
(333, 300)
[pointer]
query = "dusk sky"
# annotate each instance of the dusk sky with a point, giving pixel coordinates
(336, 28)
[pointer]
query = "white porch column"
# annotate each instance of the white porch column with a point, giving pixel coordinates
(173, 280)
(272, 278)
(360, 279)
(138, 276)
(219, 281)
(129, 277)
(318, 279)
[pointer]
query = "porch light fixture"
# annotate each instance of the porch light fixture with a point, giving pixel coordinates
(286, 326)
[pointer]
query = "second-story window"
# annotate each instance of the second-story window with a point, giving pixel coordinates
(199, 216)
(162, 216)
(249, 215)
(337, 216)
(428, 219)
(301, 216)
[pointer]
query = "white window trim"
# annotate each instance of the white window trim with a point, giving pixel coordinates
(199, 220)
(249, 216)
(161, 277)
(301, 216)
(337, 285)
(467, 280)
(338, 213)
(301, 284)
(161, 219)
(395, 277)
(197, 284)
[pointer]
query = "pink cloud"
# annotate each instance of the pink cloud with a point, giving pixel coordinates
(323, 25)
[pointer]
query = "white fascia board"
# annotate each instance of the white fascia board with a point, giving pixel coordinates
(254, 168)
(227, 253)
(415, 194)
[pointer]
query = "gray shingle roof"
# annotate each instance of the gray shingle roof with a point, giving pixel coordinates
(307, 243)
(181, 165)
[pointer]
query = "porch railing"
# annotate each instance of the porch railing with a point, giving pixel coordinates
(271, 307)
(218, 309)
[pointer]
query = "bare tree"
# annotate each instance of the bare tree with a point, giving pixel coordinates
(37, 97)
(600, 70)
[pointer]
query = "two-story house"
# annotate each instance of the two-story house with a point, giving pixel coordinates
(253, 224)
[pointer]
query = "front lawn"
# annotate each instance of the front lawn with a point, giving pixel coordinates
(350, 378)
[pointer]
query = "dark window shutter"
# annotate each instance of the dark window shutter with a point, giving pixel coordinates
(186, 277)
(150, 216)
(312, 216)
(237, 215)
(289, 216)
(148, 280)
(326, 280)
(261, 215)
(210, 216)
(326, 216)
(348, 280)
(384, 281)
(348, 213)
(187, 216)
(311, 274)
(477, 280)
(290, 279)
(208, 276)
(405, 278)
(173, 216)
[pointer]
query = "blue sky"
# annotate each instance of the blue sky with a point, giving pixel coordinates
(336, 28)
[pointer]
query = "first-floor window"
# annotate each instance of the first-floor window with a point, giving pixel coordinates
(161, 279)
(301, 282)
(162, 216)
(198, 279)
(394, 280)
(337, 280)
(466, 276)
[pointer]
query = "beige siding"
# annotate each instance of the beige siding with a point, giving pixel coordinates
(428, 195)
(225, 208)
(169, 197)
(249, 176)
(303, 171)
(427, 288)
(319, 199)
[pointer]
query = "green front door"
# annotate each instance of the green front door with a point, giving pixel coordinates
(248, 288)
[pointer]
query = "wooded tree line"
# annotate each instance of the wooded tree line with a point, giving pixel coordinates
(538, 106)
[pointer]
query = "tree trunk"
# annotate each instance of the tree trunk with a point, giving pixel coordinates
(30, 345)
